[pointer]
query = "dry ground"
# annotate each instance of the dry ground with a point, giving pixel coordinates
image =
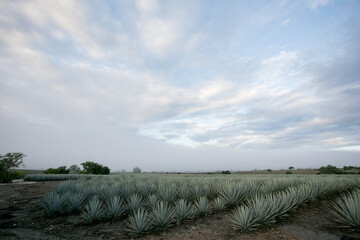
(21, 217)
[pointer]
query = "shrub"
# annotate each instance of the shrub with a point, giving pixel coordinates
(288, 172)
(59, 170)
(95, 168)
(330, 170)
(225, 172)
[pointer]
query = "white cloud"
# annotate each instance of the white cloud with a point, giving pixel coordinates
(314, 4)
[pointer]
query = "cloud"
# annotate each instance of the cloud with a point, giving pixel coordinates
(314, 4)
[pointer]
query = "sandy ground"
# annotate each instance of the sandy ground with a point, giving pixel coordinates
(21, 217)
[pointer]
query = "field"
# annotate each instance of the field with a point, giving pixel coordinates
(177, 207)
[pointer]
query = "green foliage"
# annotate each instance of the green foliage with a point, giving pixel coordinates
(59, 170)
(93, 211)
(74, 201)
(219, 204)
(95, 168)
(291, 168)
(134, 202)
(330, 170)
(202, 206)
(115, 207)
(138, 223)
(183, 210)
(74, 169)
(243, 219)
(7, 162)
(288, 172)
(225, 172)
(162, 216)
(136, 170)
(347, 211)
(53, 202)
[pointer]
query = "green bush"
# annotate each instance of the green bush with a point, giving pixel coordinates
(225, 172)
(95, 168)
(59, 170)
(330, 170)
(288, 172)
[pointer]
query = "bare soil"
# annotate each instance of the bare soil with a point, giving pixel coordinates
(21, 217)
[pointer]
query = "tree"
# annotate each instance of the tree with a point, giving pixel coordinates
(74, 169)
(59, 170)
(94, 168)
(136, 170)
(291, 168)
(330, 170)
(7, 162)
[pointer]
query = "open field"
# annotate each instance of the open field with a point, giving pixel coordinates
(22, 216)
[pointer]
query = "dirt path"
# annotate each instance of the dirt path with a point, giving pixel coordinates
(21, 217)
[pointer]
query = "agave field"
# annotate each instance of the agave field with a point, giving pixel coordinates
(151, 202)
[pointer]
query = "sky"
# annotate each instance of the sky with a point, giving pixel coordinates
(181, 85)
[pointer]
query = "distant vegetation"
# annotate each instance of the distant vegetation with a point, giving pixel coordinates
(7, 163)
(329, 169)
(89, 168)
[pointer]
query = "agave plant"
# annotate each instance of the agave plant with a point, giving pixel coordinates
(138, 223)
(264, 208)
(152, 201)
(347, 211)
(74, 201)
(167, 193)
(232, 195)
(184, 192)
(243, 219)
(202, 206)
(134, 202)
(219, 204)
(64, 187)
(183, 210)
(197, 192)
(115, 207)
(93, 211)
(162, 216)
(53, 202)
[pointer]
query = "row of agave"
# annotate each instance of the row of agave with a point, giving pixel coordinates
(347, 211)
(156, 202)
(263, 210)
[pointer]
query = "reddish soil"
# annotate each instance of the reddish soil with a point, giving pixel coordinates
(21, 217)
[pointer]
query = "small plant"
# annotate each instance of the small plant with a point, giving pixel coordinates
(183, 210)
(167, 193)
(202, 206)
(134, 202)
(74, 201)
(93, 211)
(219, 204)
(162, 216)
(243, 219)
(152, 201)
(63, 187)
(53, 202)
(347, 211)
(232, 195)
(138, 223)
(115, 207)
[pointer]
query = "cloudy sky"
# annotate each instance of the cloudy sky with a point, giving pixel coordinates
(181, 85)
